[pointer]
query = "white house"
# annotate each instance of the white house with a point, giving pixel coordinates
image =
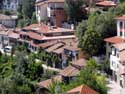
(52, 10)
(116, 52)
(10, 4)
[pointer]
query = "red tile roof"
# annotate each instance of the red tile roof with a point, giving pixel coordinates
(35, 36)
(106, 3)
(48, 82)
(120, 17)
(83, 89)
(115, 39)
(49, 1)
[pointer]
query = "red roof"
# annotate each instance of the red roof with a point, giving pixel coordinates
(50, 1)
(83, 89)
(106, 3)
(115, 39)
(120, 17)
(34, 36)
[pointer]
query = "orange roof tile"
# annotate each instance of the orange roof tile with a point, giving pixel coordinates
(49, 1)
(106, 3)
(48, 82)
(120, 17)
(35, 36)
(83, 89)
(115, 39)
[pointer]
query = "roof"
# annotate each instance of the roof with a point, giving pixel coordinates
(70, 71)
(83, 89)
(106, 3)
(13, 35)
(43, 28)
(41, 2)
(80, 62)
(115, 39)
(6, 17)
(120, 17)
(48, 82)
(54, 47)
(59, 51)
(34, 35)
(59, 37)
(119, 46)
(37, 27)
(47, 44)
(2, 27)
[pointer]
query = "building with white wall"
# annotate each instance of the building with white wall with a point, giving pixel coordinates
(116, 52)
(51, 10)
(10, 4)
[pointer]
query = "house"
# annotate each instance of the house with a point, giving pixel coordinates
(51, 11)
(105, 4)
(70, 72)
(117, 63)
(36, 34)
(116, 52)
(8, 20)
(10, 4)
(65, 75)
(83, 89)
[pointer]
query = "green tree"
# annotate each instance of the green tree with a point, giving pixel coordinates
(91, 42)
(34, 20)
(90, 77)
(74, 9)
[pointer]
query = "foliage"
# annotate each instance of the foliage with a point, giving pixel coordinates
(33, 20)
(26, 13)
(16, 83)
(90, 42)
(55, 88)
(6, 12)
(90, 77)
(102, 24)
(74, 9)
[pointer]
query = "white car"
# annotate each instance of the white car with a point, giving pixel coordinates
(7, 49)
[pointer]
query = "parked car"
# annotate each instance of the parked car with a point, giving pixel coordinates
(7, 49)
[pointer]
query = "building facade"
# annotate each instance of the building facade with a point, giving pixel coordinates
(10, 4)
(116, 52)
(51, 11)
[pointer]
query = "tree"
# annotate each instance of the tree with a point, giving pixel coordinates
(33, 20)
(28, 7)
(81, 28)
(90, 43)
(74, 9)
(90, 77)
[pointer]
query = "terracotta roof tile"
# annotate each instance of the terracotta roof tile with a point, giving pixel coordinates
(120, 17)
(106, 3)
(70, 71)
(48, 82)
(83, 89)
(115, 39)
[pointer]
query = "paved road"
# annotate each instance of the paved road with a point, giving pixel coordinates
(114, 88)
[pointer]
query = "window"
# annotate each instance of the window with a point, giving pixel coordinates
(121, 33)
(121, 25)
